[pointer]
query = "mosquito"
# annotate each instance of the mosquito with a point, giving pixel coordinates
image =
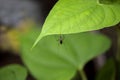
(61, 39)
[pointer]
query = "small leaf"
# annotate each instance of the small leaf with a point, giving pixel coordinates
(107, 72)
(13, 72)
(52, 59)
(75, 16)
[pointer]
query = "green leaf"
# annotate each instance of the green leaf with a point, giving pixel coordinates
(74, 16)
(13, 72)
(50, 60)
(107, 72)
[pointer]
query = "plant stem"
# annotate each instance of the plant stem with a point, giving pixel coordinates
(83, 75)
(106, 2)
(118, 44)
(118, 54)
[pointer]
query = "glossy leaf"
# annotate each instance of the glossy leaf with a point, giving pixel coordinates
(107, 72)
(13, 72)
(75, 16)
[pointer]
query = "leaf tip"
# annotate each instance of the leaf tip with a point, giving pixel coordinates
(36, 42)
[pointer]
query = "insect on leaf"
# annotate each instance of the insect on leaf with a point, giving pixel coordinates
(75, 16)
(61, 61)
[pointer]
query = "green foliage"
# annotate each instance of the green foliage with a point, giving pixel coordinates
(107, 72)
(74, 16)
(50, 60)
(13, 72)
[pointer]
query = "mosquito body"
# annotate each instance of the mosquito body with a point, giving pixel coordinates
(61, 40)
